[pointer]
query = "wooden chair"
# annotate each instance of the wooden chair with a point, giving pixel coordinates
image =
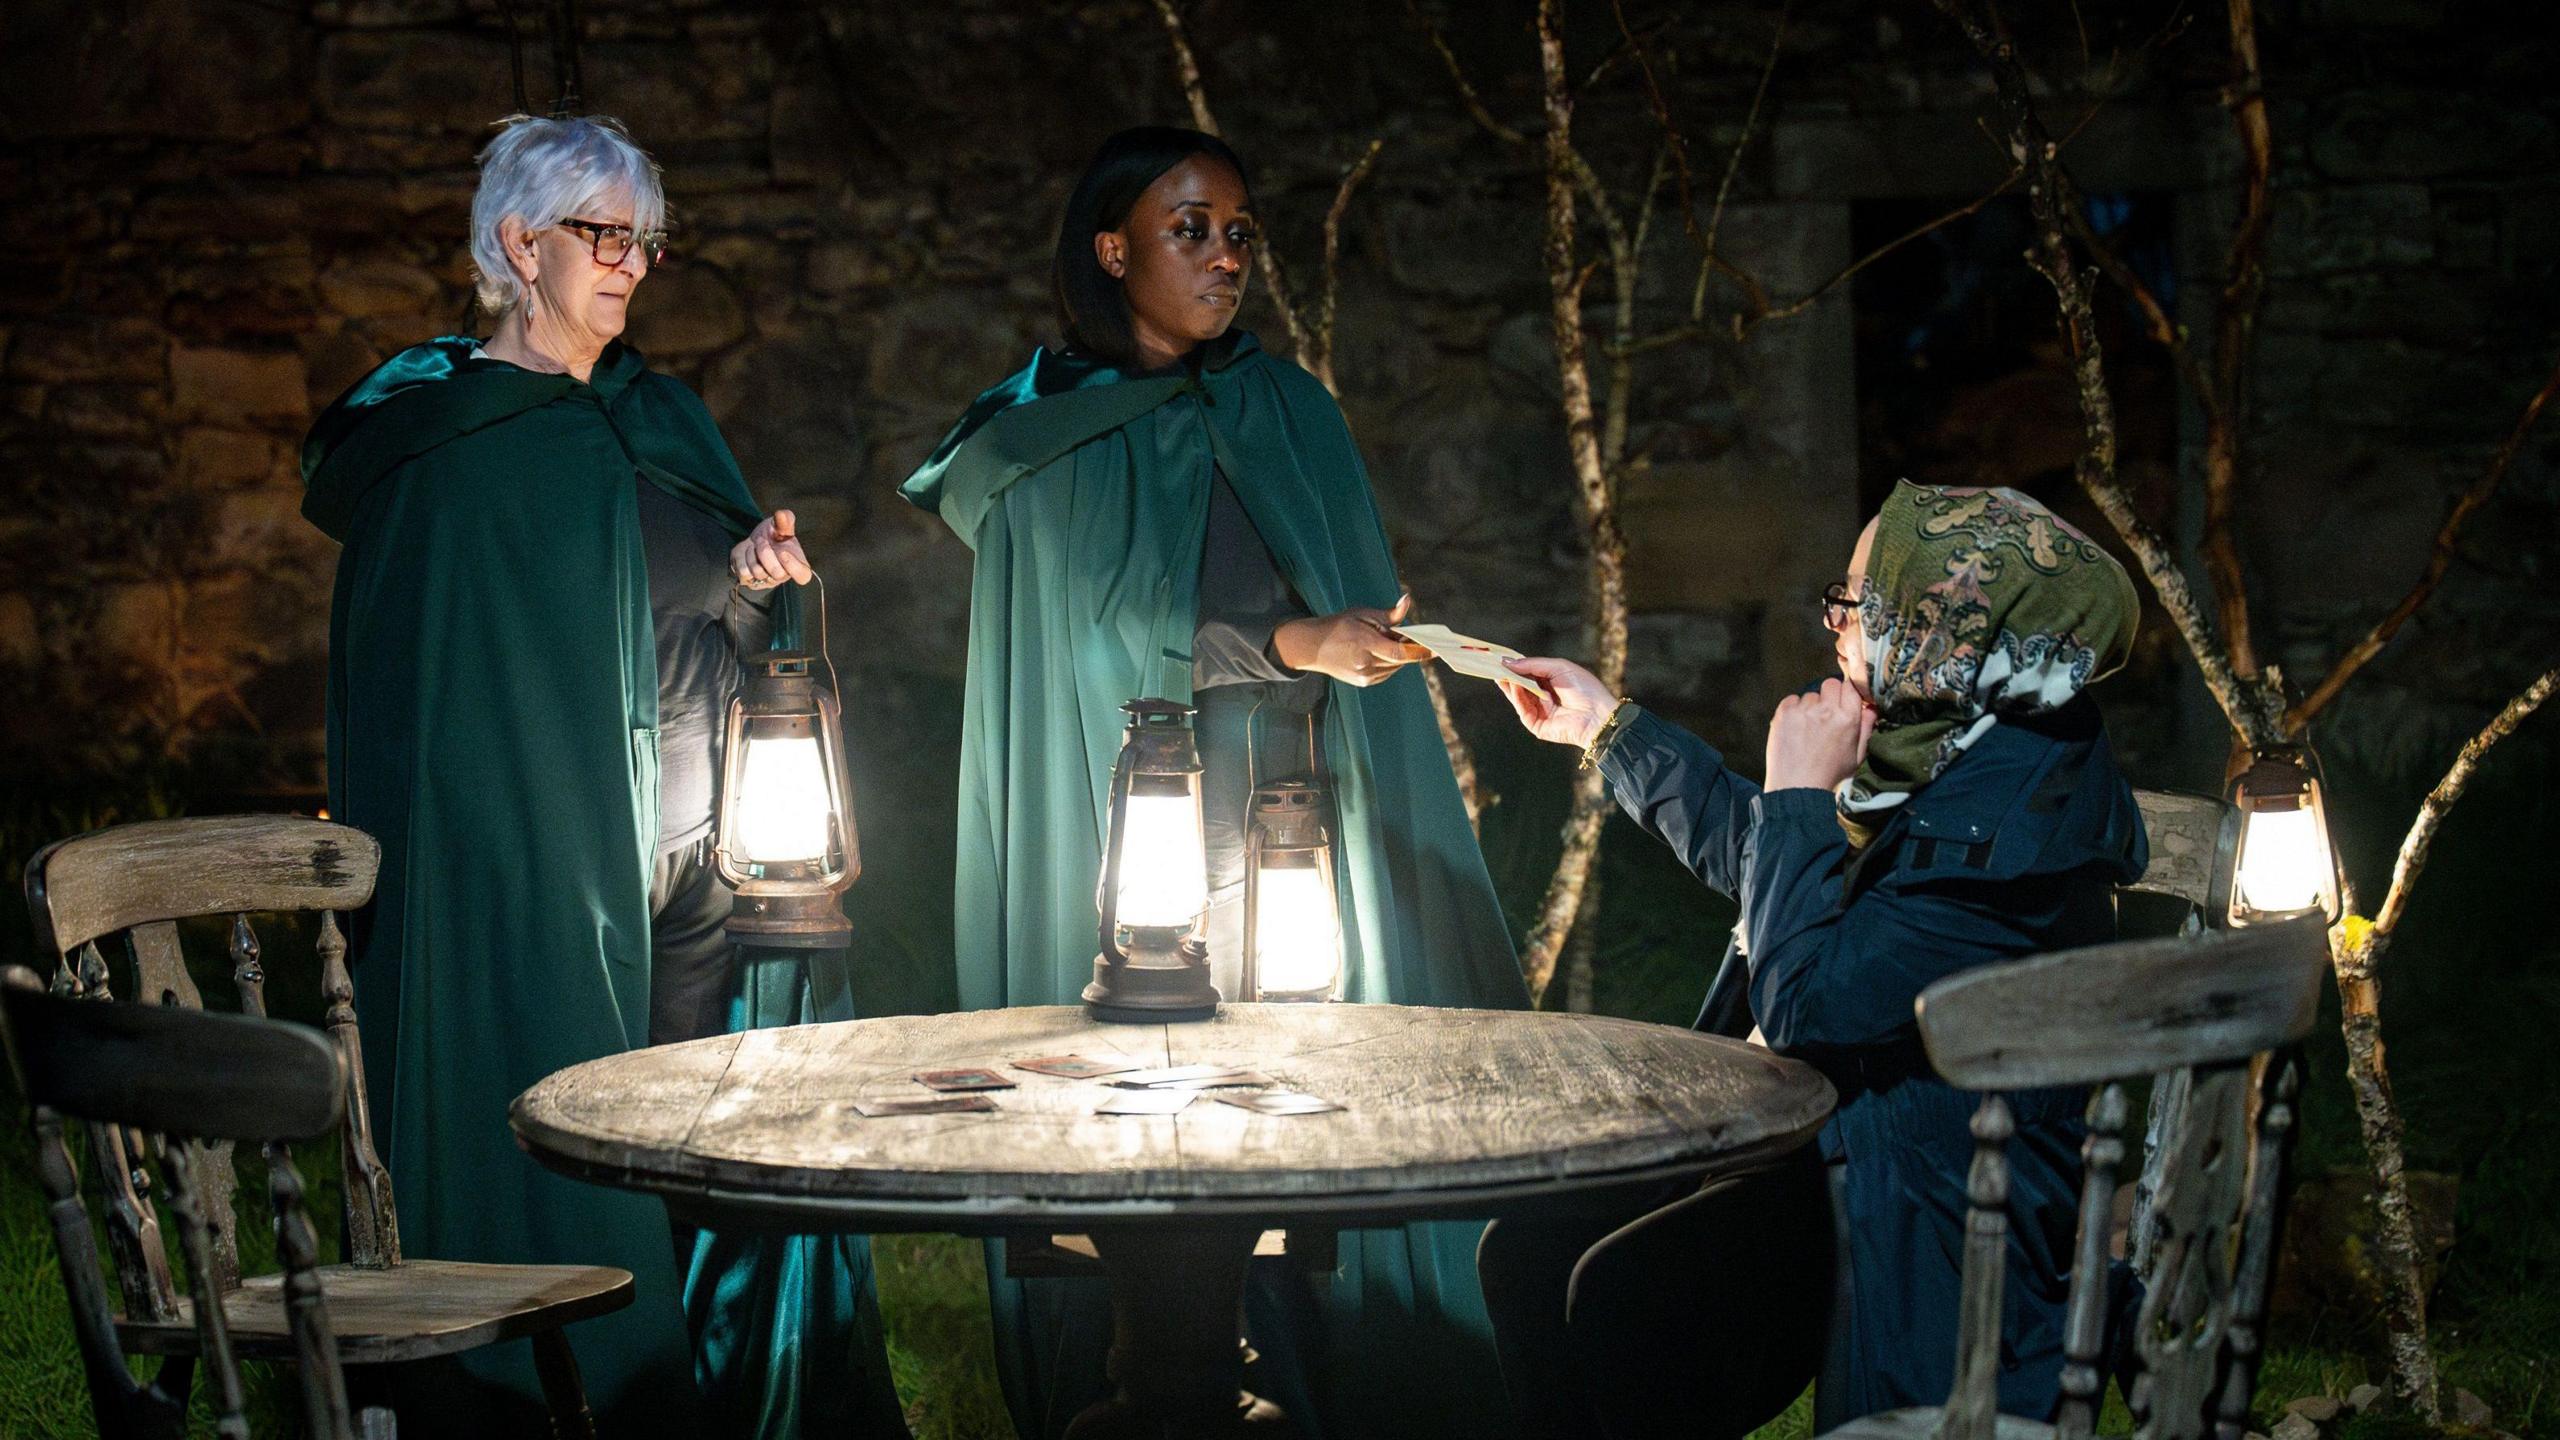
(181, 1078)
(127, 887)
(2203, 1007)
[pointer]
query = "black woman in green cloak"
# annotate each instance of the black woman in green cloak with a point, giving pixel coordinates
(1160, 507)
(551, 568)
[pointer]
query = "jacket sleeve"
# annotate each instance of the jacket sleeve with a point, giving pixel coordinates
(1676, 786)
(1829, 977)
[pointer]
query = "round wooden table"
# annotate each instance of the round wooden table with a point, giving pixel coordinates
(1450, 1114)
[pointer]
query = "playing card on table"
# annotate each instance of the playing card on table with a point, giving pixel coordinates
(1146, 1102)
(1072, 1067)
(926, 1105)
(1213, 1082)
(972, 1078)
(1178, 1074)
(1466, 654)
(1281, 1102)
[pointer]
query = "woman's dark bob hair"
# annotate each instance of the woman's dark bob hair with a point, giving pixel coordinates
(1093, 314)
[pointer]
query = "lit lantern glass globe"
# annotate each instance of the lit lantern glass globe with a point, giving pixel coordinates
(786, 840)
(1293, 925)
(1154, 965)
(2285, 868)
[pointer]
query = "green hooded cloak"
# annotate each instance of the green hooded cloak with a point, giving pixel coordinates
(1085, 491)
(492, 719)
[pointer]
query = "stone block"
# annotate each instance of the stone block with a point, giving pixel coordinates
(686, 310)
(788, 408)
(1461, 245)
(2350, 227)
(152, 67)
(680, 94)
(135, 619)
(815, 137)
(378, 287)
(210, 212)
(110, 349)
(1684, 657)
(405, 81)
(21, 644)
(115, 412)
(2294, 1427)
(259, 528)
(238, 387)
(334, 358)
(2418, 134)
(838, 266)
(215, 459)
(1712, 535)
(2471, 1410)
(2318, 1409)
(2364, 1397)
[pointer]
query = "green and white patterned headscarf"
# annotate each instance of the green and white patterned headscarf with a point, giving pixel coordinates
(1978, 604)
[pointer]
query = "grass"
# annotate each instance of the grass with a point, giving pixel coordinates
(2472, 1001)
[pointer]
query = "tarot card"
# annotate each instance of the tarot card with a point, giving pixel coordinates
(1167, 1075)
(1280, 1102)
(1214, 1082)
(927, 1105)
(1072, 1067)
(972, 1078)
(1466, 654)
(1146, 1102)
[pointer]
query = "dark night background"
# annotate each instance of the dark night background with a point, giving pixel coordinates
(216, 214)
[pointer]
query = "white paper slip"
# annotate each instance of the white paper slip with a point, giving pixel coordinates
(1465, 654)
(1146, 1102)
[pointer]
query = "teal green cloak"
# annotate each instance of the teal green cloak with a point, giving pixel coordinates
(493, 699)
(1085, 493)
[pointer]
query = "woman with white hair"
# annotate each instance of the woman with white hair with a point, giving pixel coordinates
(551, 568)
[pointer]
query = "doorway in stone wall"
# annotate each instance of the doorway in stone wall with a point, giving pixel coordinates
(1962, 380)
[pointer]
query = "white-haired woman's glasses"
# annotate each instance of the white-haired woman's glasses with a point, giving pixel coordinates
(611, 244)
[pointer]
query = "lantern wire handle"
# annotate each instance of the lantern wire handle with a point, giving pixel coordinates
(832, 683)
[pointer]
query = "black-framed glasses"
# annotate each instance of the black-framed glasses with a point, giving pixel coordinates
(1837, 604)
(611, 244)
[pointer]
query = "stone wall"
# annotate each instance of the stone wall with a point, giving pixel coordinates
(219, 215)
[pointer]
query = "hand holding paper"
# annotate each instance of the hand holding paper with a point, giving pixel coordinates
(1481, 659)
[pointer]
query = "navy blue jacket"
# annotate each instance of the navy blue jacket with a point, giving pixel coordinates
(2015, 850)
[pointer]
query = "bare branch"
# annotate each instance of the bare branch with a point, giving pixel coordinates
(1274, 278)
(2235, 329)
(1759, 297)
(1319, 351)
(2422, 834)
(2248, 705)
(1458, 75)
(2355, 953)
(1806, 302)
(1605, 597)
(2440, 558)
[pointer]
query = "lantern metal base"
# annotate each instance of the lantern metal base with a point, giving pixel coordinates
(1126, 993)
(790, 922)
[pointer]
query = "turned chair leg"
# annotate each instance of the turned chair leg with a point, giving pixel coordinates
(561, 1389)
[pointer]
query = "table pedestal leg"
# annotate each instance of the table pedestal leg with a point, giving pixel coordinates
(1177, 1341)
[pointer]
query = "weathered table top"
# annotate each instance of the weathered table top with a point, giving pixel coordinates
(1451, 1113)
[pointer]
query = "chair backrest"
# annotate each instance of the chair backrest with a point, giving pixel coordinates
(2191, 839)
(2200, 1011)
(124, 889)
(167, 1080)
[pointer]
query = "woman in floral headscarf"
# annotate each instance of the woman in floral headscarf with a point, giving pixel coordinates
(1950, 800)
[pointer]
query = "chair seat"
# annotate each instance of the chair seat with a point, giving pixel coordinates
(414, 1310)
(1919, 1422)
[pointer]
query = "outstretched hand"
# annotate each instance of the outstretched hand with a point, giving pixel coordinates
(1818, 740)
(770, 554)
(1562, 703)
(1357, 646)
